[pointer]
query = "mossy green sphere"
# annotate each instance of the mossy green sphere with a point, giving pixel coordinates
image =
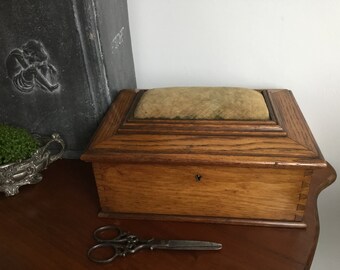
(16, 144)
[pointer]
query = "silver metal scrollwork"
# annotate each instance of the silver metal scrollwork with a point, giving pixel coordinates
(15, 175)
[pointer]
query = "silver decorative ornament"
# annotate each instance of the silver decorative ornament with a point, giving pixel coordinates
(17, 174)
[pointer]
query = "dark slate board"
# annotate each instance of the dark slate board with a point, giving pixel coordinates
(75, 75)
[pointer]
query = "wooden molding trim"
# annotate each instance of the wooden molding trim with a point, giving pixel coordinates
(285, 139)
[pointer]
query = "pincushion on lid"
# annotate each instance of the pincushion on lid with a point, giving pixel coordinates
(226, 103)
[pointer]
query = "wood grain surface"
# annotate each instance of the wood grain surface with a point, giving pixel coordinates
(250, 193)
(291, 119)
(114, 116)
(50, 226)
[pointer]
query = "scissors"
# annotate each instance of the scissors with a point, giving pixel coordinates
(120, 243)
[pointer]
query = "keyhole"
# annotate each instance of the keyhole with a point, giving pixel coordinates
(198, 177)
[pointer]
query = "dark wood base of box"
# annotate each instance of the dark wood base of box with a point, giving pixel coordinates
(221, 220)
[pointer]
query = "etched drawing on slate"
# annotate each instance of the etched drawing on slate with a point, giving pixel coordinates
(29, 69)
(62, 64)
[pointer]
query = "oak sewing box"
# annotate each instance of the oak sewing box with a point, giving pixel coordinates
(249, 171)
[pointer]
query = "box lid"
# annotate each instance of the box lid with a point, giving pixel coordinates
(284, 140)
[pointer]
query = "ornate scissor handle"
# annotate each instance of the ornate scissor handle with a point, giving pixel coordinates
(121, 244)
(115, 252)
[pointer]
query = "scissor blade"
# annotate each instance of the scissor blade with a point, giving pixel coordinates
(186, 245)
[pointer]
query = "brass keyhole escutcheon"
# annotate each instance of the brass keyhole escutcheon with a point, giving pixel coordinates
(198, 177)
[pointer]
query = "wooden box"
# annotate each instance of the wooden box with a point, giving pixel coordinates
(223, 171)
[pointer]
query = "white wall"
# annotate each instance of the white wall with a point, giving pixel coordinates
(292, 44)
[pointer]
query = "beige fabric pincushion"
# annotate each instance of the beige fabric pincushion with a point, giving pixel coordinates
(202, 103)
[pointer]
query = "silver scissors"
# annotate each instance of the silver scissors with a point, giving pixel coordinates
(112, 242)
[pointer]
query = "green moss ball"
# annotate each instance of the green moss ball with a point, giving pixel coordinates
(16, 144)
